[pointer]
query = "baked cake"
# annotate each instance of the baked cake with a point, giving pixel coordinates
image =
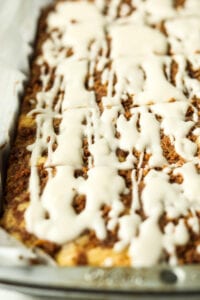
(105, 167)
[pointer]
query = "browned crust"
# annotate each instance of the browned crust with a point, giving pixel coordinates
(16, 193)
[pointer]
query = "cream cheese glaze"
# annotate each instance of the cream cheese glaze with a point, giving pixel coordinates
(137, 67)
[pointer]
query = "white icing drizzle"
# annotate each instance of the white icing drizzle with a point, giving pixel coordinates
(175, 236)
(190, 188)
(128, 227)
(134, 39)
(150, 237)
(69, 151)
(75, 94)
(97, 187)
(156, 87)
(184, 82)
(148, 138)
(125, 9)
(191, 7)
(145, 78)
(175, 126)
(182, 36)
(193, 222)
(139, 69)
(112, 10)
(155, 11)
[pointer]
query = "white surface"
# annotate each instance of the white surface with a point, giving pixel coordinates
(17, 28)
(17, 19)
(7, 295)
(14, 296)
(10, 86)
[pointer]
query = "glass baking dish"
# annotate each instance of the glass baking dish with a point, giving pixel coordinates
(88, 283)
(98, 283)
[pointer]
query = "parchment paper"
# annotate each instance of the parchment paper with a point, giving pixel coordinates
(18, 20)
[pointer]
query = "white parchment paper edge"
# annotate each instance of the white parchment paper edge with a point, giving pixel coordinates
(18, 23)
